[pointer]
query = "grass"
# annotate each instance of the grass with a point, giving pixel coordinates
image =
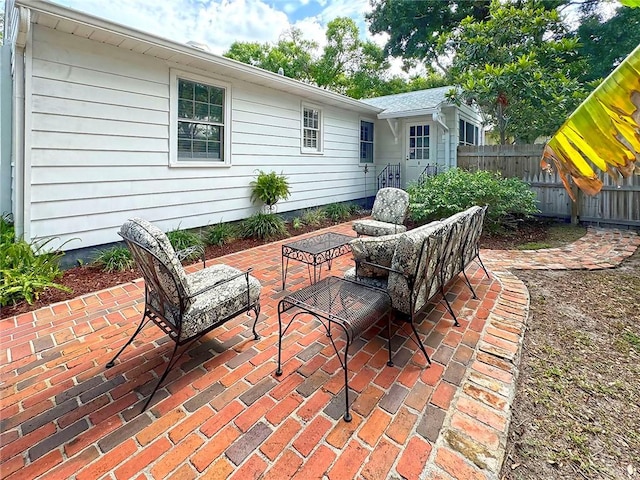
(557, 235)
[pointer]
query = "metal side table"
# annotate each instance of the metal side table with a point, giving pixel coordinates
(314, 251)
(350, 306)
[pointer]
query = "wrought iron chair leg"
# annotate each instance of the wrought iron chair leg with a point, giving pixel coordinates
(469, 284)
(482, 265)
(390, 362)
(415, 332)
(455, 319)
(143, 322)
(170, 365)
(256, 309)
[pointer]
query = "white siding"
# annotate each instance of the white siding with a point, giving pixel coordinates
(100, 147)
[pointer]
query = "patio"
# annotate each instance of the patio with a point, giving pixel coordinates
(224, 413)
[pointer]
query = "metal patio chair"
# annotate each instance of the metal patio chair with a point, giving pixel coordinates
(388, 214)
(185, 306)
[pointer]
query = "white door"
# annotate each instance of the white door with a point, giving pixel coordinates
(418, 149)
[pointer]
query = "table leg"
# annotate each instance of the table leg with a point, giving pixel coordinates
(279, 369)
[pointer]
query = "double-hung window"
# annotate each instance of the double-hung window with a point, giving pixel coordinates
(311, 129)
(366, 141)
(200, 121)
(468, 133)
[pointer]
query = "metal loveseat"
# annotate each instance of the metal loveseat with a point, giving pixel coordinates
(416, 265)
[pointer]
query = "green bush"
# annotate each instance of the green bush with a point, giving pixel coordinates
(264, 226)
(314, 217)
(220, 234)
(296, 223)
(114, 259)
(455, 190)
(269, 188)
(25, 269)
(183, 239)
(355, 209)
(338, 212)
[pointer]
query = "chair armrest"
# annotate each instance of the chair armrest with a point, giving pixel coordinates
(222, 282)
(189, 251)
(375, 265)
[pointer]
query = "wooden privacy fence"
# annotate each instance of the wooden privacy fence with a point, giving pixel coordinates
(616, 204)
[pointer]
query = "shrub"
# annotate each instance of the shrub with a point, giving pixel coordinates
(314, 217)
(25, 269)
(269, 188)
(264, 226)
(455, 190)
(183, 239)
(296, 223)
(355, 209)
(220, 234)
(337, 212)
(114, 259)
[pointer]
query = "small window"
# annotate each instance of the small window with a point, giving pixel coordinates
(366, 142)
(311, 130)
(468, 133)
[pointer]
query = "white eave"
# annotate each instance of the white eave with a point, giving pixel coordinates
(97, 29)
(407, 113)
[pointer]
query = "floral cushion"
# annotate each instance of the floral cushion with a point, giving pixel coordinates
(375, 228)
(377, 282)
(173, 295)
(377, 250)
(388, 213)
(164, 275)
(406, 260)
(215, 304)
(423, 259)
(390, 205)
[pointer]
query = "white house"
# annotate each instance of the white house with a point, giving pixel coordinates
(106, 122)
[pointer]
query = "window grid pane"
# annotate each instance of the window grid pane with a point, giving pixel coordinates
(311, 128)
(201, 121)
(366, 142)
(419, 142)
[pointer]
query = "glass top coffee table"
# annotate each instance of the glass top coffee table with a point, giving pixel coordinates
(314, 251)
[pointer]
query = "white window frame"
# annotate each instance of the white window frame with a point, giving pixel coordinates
(319, 149)
(373, 142)
(176, 74)
(476, 132)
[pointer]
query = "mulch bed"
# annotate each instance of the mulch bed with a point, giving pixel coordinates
(87, 278)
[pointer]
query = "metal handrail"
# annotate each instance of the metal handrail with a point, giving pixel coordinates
(389, 176)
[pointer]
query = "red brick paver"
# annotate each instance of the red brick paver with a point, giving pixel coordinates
(223, 413)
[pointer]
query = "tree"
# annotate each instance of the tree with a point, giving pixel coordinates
(518, 67)
(292, 54)
(604, 44)
(348, 64)
(415, 28)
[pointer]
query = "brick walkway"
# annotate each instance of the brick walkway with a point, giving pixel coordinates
(224, 414)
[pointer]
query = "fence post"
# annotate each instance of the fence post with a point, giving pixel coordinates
(575, 205)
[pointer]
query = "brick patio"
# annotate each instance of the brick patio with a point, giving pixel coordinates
(224, 414)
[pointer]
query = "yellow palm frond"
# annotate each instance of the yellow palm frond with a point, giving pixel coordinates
(603, 132)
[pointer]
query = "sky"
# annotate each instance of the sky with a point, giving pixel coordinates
(219, 23)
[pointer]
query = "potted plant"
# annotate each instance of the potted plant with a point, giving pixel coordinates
(269, 188)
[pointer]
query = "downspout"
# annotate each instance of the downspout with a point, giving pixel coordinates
(393, 125)
(439, 117)
(22, 174)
